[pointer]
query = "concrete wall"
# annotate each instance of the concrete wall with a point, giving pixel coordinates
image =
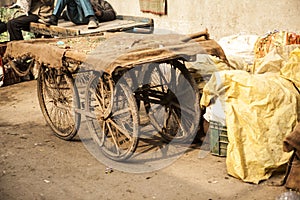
(221, 17)
(6, 2)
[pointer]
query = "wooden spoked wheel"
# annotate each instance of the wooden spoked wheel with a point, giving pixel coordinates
(171, 99)
(113, 118)
(58, 100)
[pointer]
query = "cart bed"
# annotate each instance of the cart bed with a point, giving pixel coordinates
(122, 49)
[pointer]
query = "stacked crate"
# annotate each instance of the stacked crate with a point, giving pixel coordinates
(218, 138)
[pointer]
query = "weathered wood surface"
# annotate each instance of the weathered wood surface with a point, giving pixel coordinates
(67, 28)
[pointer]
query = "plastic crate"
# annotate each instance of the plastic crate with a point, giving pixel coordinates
(218, 138)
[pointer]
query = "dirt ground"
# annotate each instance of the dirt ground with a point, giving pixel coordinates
(34, 164)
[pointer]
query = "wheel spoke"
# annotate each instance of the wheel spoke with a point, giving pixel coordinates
(114, 138)
(124, 131)
(183, 108)
(120, 112)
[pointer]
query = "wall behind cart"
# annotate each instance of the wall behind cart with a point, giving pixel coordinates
(6, 2)
(221, 17)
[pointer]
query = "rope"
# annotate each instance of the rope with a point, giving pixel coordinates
(18, 71)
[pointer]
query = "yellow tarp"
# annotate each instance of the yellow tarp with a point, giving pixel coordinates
(261, 109)
(291, 70)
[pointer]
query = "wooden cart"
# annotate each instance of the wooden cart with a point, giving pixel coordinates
(110, 78)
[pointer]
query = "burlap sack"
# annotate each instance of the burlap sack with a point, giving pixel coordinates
(292, 143)
(292, 180)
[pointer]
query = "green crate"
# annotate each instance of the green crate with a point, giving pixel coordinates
(218, 138)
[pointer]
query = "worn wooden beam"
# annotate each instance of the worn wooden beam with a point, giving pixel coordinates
(67, 28)
(43, 29)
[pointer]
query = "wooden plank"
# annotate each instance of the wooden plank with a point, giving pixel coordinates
(43, 29)
(67, 28)
(147, 21)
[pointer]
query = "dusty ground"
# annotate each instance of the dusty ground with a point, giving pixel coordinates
(34, 164)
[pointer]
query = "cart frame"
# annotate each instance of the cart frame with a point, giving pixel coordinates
(111, 99)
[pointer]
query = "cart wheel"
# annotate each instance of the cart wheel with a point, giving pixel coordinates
(173, 100)
(113, 117)
(58, 100)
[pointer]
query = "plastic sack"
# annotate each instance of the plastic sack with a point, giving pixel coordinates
(240, 46)
(260, 110)
(291, 70)
(273, 40)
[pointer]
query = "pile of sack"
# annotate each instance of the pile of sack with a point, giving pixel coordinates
(259, 99)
